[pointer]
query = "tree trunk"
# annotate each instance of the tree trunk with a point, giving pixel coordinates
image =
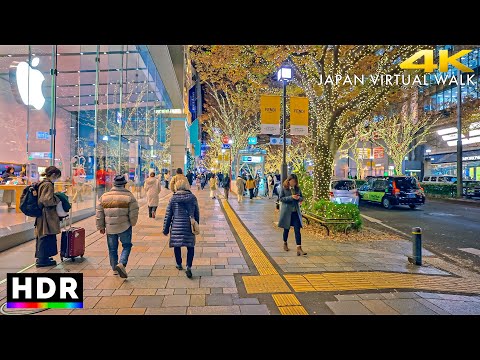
(397, 162)
(237, 165)
(322, 171)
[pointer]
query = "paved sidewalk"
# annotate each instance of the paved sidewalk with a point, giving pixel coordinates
(154, 285)
(241, 268)
(348, 277)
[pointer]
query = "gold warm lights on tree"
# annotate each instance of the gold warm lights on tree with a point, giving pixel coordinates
(296, 155)
(334, 108)
(337, 108)
(229, 113)
(399, 135)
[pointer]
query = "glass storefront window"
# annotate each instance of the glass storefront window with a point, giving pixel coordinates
(91, 143)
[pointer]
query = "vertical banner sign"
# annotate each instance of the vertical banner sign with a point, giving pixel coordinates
(298, 115)
(270, 114)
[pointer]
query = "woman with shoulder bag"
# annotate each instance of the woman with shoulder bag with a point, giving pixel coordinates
(180, 217)
(47, 226)
(290, 215)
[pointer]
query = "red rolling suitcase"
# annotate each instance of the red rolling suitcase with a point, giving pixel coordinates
(72, 242)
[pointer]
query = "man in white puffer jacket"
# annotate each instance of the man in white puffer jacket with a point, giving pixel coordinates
(117, 213)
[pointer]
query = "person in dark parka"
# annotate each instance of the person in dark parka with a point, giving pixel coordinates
(290, 215)
(181, 207)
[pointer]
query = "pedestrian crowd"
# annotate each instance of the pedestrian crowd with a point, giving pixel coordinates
(117, 211)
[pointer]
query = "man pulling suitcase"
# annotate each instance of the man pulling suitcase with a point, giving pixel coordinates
(117, 213)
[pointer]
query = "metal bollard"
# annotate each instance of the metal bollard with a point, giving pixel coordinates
(416, 246)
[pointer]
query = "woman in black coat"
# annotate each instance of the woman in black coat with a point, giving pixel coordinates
(290, 213)
(182, 206)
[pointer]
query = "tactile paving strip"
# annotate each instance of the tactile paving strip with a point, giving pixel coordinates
(286, 300)
(261, 262)
(376, 280)
(265, 284)
(293, 310)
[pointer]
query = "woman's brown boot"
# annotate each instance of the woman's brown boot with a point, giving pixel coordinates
(285, 246)
(300, 251)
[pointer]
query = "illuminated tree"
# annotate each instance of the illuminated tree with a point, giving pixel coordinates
(335, 108)
(399, 135)
(229, 113)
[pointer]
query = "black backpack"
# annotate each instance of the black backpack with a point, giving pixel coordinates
(29, 201)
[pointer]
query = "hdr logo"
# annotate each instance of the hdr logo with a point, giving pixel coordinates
(443, 59)
(44, 291)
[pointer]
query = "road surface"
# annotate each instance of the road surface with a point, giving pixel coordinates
(449, 229)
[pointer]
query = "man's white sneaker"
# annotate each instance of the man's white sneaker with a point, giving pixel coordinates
(121, 271)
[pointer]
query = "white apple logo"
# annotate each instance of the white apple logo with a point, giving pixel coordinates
(28, 81)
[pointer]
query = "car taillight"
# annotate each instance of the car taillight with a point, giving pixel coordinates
(396, 191)
(331, 194)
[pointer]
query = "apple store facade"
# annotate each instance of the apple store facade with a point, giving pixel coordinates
(93, 111)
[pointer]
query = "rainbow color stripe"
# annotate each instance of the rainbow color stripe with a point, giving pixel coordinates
(44, 305)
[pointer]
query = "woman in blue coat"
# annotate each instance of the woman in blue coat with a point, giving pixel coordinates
(290, 215)
(181, 207)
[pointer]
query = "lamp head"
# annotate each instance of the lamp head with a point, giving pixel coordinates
(284, 73)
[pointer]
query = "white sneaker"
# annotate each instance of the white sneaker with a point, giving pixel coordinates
(121, 271)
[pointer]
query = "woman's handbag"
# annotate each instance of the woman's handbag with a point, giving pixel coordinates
(195, 226)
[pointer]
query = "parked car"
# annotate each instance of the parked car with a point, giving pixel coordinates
(344, 191)
(440, 179)
(471, 188)
(393, 190)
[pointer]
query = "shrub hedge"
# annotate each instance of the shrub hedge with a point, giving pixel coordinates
(439, 189)
(325, 208)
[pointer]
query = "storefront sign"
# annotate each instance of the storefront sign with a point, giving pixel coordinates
(270, 114)
(39, 155)
(26, 83)
(192, 102)
(471, 158)
(279, 141)
(469, 155)
(378, 153)
(363, 153)
(298, 115)
(43, 135)
(252, 140)
(252, 159)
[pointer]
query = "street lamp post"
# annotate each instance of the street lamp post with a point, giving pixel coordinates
(459, 137)
(284, 74)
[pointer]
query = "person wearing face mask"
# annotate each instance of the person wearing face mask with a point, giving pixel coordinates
(47, 226)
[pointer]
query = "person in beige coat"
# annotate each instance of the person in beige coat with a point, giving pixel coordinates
(152, 188)
(240, 188)
(179, 176)
(117, 213)
(47, 226)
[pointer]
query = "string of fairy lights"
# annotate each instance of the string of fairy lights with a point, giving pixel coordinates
(335, 109)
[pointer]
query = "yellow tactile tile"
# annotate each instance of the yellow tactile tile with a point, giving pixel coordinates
(379, 280)
(293, 310)
(261, 262)
(265, 284)
(286, 300)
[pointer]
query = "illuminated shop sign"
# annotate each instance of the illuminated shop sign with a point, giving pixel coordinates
(252, 159)
(26, 83)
